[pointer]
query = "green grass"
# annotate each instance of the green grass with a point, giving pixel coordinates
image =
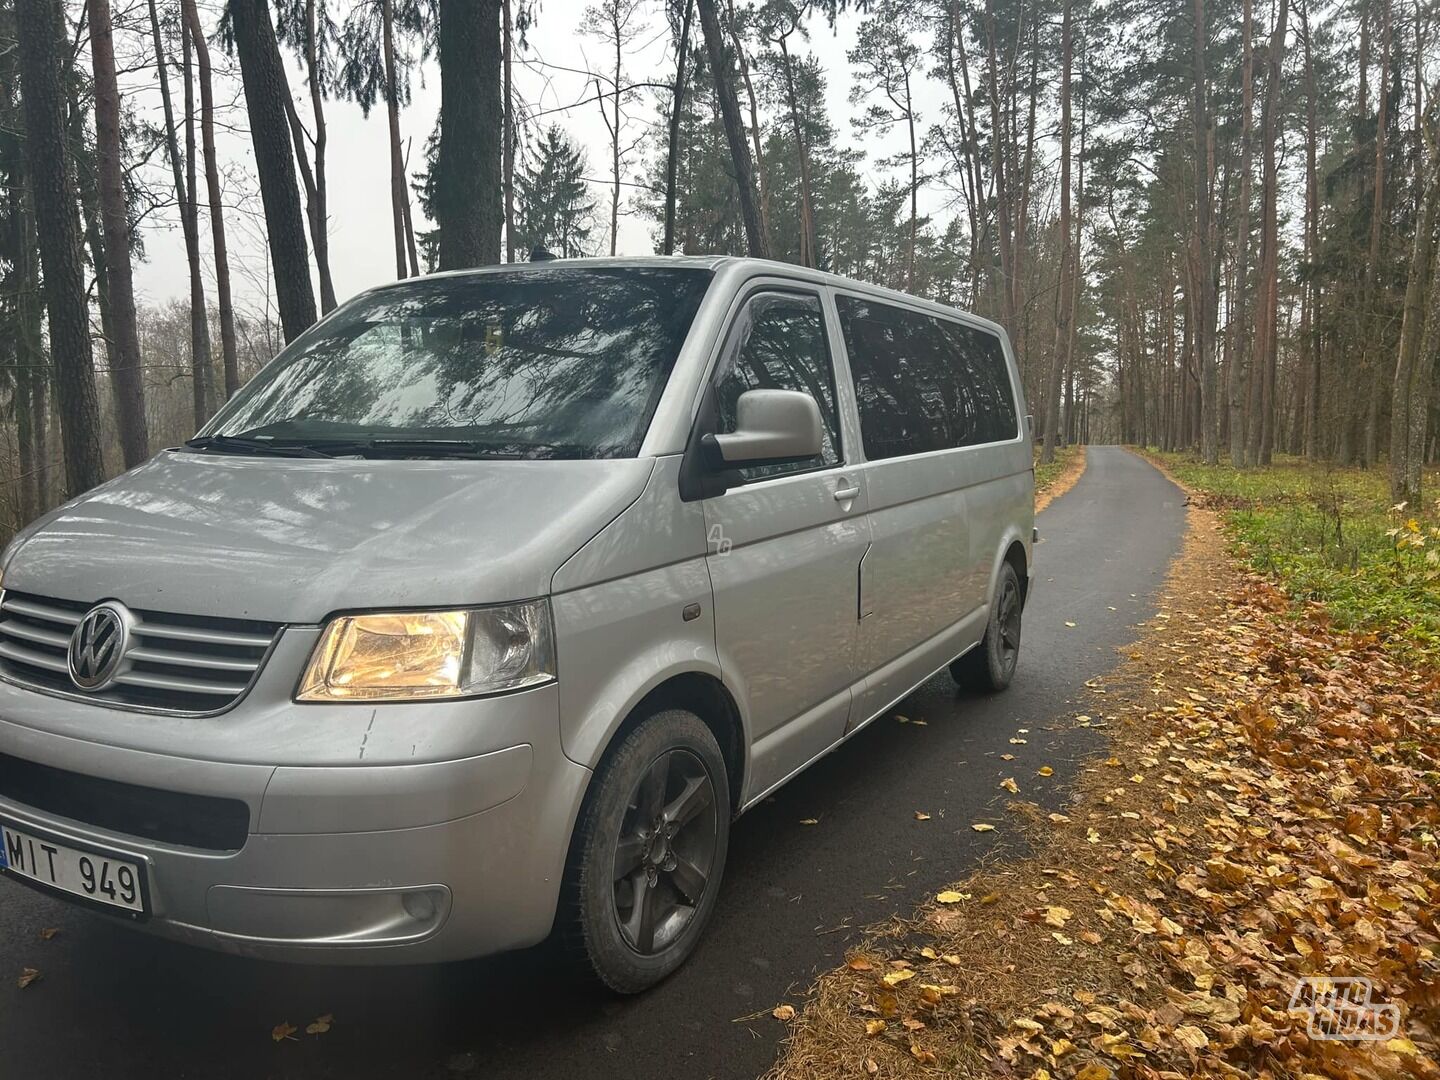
(1045, 475)
(1331, 536)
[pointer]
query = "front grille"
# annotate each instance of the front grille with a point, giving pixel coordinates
(171, 817)
(177, 663)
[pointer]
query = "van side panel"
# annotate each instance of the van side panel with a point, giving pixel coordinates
(620, 605)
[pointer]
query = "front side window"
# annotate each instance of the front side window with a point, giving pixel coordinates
(782, 346)
(924, 383)
(553, 363)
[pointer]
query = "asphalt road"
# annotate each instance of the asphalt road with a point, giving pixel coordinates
(116, 1003)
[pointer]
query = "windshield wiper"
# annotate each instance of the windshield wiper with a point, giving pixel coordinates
(232, 444)
(417, 448)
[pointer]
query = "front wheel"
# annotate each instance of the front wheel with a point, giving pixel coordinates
(648, 852)
(990, 666)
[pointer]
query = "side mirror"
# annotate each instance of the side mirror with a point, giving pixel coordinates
(772, 427)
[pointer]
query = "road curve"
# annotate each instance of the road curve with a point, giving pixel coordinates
(121, 1004)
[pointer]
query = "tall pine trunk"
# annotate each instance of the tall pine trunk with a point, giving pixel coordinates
(1239, 336)
(52, 181)
(755, 238)
(1372, 326)
(508, 164)
(1203, 256)
(189, 225)
(263, 76)
(468, 196)
(1312, 245)
(1063, 310)
(672, 152)
(125, 371)
(1269, 338)
(218, 242)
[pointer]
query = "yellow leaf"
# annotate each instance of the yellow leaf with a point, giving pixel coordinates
(1009, 785)
(321, 1025)
(1061, 938)
(950, 896)
(27, 976)
(1069, 624)
(1192, 1037)
(783, 1012)
(895, 978)
(920, 815)
(872, 1066)
(49, 932)
(1057, 916)
(283, 1031)
(980, 826)
(809, 821)
(1045, 770)
(1402, 1046)
(1094, 1071)
(875, 1027)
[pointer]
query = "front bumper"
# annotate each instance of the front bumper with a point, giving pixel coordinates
(391, 862)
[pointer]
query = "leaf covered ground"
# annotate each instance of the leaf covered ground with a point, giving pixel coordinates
(1265, 812)
(1057, 477)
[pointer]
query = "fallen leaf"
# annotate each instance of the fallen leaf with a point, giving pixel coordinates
(783, 1012)
(1057, 916)
(1045, 770)
(809, 821)
(859, 963)
(1094, 1071)
(1069, 624)
(872, 1066)
(895, 978)
(321, 1025)
(875, 1027)
(27, 976)
(283, 1031)
(925, 1057)
(1009, 785)
(950, 896)
(981, 826)
(49, 932)
(920, 815)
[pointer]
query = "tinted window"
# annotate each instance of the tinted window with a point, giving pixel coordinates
(560, 362)
(782, 346)
(924, 383)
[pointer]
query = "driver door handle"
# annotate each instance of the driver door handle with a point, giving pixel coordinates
(845, 494)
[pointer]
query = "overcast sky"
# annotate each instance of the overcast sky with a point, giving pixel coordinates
(361, 243)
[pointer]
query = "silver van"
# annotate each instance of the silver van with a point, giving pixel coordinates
(483, 609)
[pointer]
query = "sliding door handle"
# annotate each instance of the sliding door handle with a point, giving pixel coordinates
(845, 494)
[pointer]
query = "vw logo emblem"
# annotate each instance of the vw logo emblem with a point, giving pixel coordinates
(97, 646)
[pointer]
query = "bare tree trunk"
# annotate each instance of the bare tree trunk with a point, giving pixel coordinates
(189, 224)
(1002, 194)
(508, 44)
(125, 372)
(1312, 245)
(468, 198)
(192, 199)
(756, 240)
(1410, 396)
(398, 196)
(1239, 337)
(262, 72)
(760, 176)
(52, 182)
(1269, 236)
(809, 253)
(1371, 325)
(672, 154)
(217, 206)
(1063, 312)
(1202, 271)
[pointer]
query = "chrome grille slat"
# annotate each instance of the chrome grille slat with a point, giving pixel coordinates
(43, 611)
(10, 651)
(174, 663)
(39, 635)
(201, 636)
(146, 654)
(179, 683)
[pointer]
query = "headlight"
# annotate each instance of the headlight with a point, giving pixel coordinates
(423, 655)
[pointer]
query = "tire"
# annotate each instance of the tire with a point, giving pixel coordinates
(654, 832)
(990, 666)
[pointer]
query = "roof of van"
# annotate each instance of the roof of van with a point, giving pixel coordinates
(706, 262)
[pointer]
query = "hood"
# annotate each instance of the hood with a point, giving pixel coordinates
(295, 539)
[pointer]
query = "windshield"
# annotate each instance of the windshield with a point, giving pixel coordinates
(559, 362)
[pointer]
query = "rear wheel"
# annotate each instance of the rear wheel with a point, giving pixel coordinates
(648, 853)
(990, 666)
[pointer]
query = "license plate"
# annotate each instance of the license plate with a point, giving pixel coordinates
(102, 879)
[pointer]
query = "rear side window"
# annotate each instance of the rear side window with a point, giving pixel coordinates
(924, 383)
(782, 346)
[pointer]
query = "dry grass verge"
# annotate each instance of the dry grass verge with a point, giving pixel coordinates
(1054, 480)
(1266, 812)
